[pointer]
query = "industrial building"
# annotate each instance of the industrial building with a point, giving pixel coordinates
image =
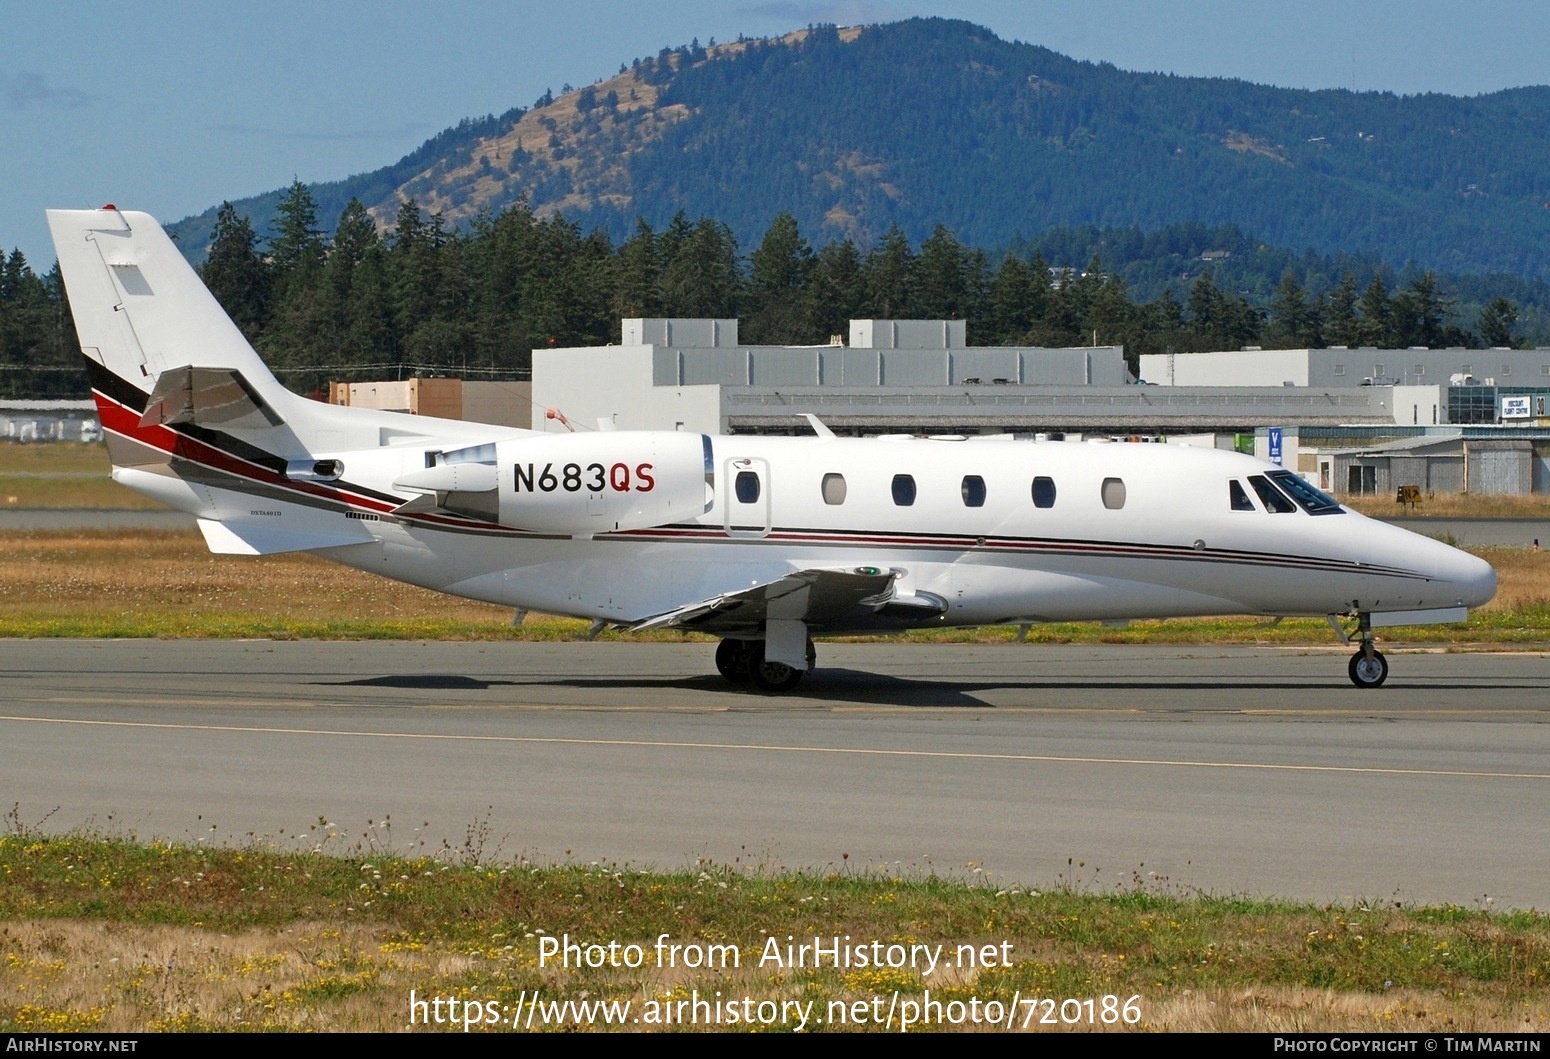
(505, 404)
(900, 376)
(1354, 421)
(25, 422)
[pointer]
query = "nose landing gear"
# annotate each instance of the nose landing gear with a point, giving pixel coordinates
(1368, 667)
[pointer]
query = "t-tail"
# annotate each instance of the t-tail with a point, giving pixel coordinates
(192, 415)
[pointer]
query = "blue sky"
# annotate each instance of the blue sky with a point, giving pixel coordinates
(171, 106)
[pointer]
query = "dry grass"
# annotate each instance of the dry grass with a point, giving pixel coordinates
(167, 584)
(115, 936)
(63, 476)
(1453, 505)
(54, 458)
(89, 491)
(1523, 578)
(98, 976)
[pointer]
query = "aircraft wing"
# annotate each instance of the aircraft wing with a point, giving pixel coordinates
(846, 600)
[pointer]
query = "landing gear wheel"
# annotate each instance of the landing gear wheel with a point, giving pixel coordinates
(733, 658)
(772, 677)
(1368, 669)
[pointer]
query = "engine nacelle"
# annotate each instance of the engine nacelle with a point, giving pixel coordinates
(576, 483)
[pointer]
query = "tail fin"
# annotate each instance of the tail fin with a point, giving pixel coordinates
(194, 418)
(140, 309)
(159, 347)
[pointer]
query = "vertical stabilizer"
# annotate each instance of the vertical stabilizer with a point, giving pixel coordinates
(140, 309)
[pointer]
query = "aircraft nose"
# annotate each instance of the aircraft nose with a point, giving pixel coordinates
(1474, 577)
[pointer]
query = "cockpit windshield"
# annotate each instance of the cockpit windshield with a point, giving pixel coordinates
(1311, 499)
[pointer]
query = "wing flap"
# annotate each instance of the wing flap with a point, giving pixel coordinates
(848, 599)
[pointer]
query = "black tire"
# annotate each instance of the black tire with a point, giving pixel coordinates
(732, 659)
(771, 677)
(1368, 670)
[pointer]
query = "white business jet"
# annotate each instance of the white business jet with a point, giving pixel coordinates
(764, 541)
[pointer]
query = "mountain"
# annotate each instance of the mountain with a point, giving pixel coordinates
(931, 121)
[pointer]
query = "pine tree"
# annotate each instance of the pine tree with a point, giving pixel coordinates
(889, 275)
(777, 284)
(1342, 327)
(235, 271)
(1496, 322)
(298, 249)
(1375, 325)
(942, 278)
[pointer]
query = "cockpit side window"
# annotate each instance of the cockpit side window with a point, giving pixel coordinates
(1240, 499)
(1273, 499)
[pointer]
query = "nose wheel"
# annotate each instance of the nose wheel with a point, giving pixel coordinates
(1368, 668)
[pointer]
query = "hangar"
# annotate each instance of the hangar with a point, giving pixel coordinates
(900, 376)
(1333, 414)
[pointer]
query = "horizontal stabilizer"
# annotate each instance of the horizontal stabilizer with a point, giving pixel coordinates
(261, 538)
(218, 398)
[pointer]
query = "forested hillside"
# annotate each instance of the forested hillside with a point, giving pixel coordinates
(426, 299)
(929, 121)
(423, 298)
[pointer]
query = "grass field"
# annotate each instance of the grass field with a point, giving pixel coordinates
(167, 584)
(111, 935)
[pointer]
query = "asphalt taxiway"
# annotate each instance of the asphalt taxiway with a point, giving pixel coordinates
(1257, 771)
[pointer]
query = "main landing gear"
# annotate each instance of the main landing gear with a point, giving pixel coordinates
(743, 661)
(1368, 667)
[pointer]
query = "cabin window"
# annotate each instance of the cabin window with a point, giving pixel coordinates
(834, 489)
(1273, 499)
(1240, 499)
(1113, 493)
(903, 490)
(1044, 492)
(973, 490)
(746, 486)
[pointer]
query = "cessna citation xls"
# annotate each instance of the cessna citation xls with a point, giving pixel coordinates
(762, 541)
